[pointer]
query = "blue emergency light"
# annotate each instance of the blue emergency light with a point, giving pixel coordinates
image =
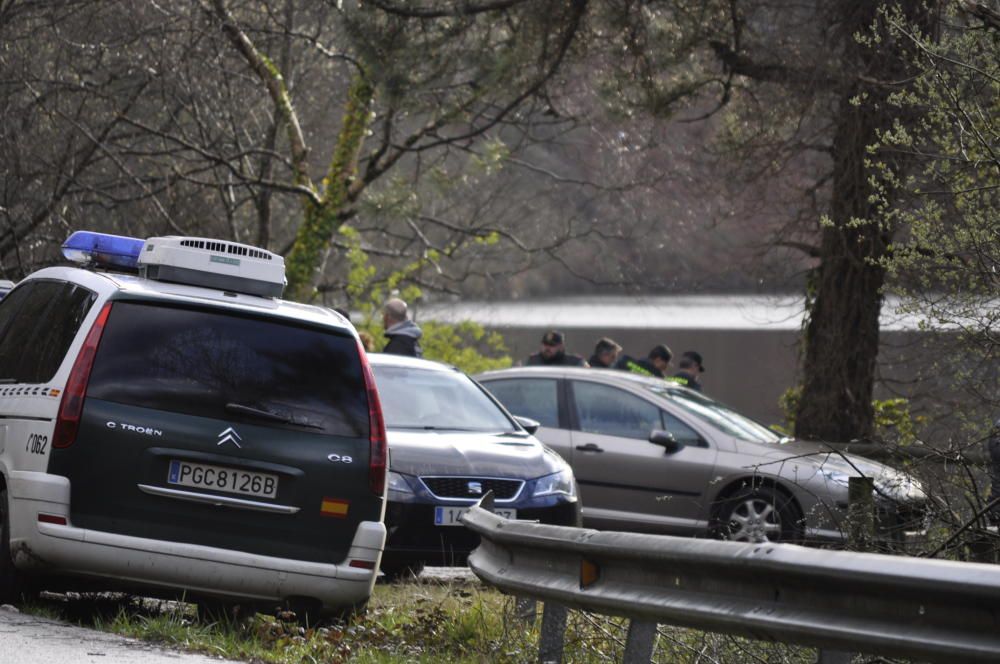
(103, 249)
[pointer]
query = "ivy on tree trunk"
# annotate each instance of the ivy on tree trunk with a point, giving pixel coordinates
(321, 219)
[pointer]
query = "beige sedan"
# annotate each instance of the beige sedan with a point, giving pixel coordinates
(651, 456)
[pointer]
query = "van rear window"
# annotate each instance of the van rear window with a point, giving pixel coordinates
(231, 367)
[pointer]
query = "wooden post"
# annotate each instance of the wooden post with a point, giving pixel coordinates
(860, 513)
(550, 644)
(640, 642)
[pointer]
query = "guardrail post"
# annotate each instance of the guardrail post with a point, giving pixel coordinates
(860, 537)
(860, 513)
(550, 644)
(640, 642)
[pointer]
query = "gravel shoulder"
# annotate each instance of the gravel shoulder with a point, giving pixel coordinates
(28, 639)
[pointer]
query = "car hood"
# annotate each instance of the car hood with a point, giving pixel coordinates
(835, 465)
(470, 453)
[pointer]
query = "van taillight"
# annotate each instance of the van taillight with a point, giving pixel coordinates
(379, 449)
(71, 407)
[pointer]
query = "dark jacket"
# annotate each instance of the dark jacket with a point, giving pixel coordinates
(686, 379)
(403, 338)
(642, 367)
(595, 362)
(559, 359)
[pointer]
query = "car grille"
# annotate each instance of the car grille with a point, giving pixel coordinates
(464, 488)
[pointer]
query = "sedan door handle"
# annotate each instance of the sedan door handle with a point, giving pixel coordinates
(590, 447)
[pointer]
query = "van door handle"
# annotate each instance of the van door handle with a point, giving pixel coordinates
(590, 447)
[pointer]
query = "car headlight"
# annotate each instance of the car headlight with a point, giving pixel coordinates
(397, 483)
(556, 484)
(900, 486)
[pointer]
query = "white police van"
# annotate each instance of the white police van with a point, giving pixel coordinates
(181, 429)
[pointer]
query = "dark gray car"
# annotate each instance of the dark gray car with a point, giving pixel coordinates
(450, 442)
(651, 456)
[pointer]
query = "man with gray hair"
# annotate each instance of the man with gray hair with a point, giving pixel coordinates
(403, 334)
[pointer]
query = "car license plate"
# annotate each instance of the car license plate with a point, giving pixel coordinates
(218, 478)
(449, 516)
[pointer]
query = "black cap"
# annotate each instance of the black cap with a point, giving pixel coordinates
(553, 338)
(661, 351)
(694, 357)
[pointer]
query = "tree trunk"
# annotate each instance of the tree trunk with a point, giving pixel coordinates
(841, 343)
(842, 335)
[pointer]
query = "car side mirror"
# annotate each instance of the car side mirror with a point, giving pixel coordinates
(528, 424)
(664, 439)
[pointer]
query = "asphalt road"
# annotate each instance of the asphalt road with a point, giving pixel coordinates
(26, 639)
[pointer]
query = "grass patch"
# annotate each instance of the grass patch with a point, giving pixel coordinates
(419, 622)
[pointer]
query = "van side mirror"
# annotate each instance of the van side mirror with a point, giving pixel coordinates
(664, 439)
(528, 424)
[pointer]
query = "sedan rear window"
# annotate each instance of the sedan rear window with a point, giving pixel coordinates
(214, 363)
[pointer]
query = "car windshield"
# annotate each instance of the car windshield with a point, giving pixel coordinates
(717, 415)
(414, 398)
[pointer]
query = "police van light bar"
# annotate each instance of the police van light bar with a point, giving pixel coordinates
(103, 249)
(193, 261)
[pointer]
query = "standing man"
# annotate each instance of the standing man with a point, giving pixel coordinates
(605, 354)
(403, 334)
(690, 366)
(553, 352)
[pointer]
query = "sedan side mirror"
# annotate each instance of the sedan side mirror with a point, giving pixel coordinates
(665, 439)
(528, 424)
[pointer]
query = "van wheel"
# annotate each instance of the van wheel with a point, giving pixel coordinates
(757, 514)
(11, 582)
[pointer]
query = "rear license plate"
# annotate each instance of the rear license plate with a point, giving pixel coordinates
(448, 516)
(218, 478)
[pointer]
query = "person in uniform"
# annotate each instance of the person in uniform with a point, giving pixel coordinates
(655, 364)
(690, 366)
(605, 354)
(553, 353)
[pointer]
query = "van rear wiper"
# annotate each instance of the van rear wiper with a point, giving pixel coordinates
(268, 415)
(7, 381)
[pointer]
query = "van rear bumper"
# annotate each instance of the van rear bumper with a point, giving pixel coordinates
(47, 547)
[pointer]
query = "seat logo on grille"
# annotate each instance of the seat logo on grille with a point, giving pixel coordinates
(230, 436)
(475, 488)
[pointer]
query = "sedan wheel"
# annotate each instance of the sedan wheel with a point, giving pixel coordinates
(757, 515)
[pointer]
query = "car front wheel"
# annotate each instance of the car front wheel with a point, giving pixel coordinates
(757, 514)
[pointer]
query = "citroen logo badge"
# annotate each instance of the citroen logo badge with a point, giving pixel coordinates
(475, 488)
(230, 436)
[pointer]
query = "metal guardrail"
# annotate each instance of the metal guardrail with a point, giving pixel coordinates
(934, 610)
